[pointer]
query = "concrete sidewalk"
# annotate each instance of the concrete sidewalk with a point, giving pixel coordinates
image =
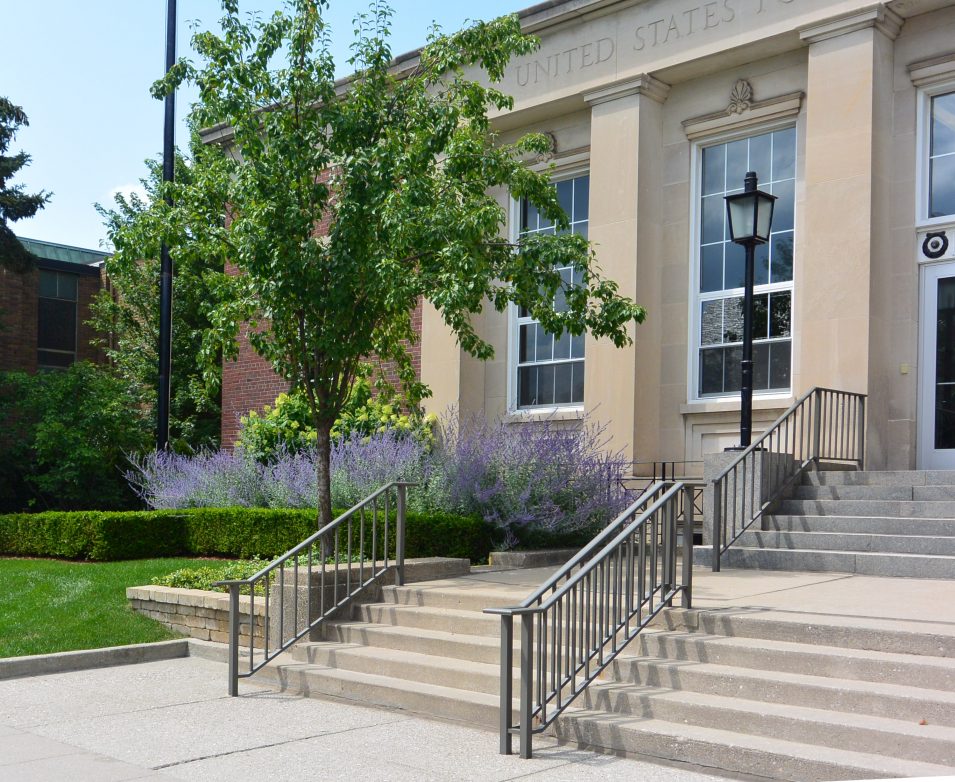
(170, 721)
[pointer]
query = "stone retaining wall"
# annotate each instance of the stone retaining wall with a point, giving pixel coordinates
(196, 613)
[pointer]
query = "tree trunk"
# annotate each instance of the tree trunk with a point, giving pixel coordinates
(323, 448)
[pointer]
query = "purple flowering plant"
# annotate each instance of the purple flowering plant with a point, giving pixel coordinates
(553, 476)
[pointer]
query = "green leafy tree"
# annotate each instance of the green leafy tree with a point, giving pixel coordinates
(15, 204)
(402, 163)
(65, 437)
(129, 310)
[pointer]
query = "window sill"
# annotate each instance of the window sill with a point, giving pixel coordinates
(544, 414)
(731, 405)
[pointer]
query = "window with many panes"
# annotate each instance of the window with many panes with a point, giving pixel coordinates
(941, 156)
(721, 266)
(56, 319)
(549, 371)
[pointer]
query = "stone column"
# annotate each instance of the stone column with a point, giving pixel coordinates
(844, 229)
(626, 176)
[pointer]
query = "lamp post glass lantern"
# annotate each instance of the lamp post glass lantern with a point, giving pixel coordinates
(750, 216)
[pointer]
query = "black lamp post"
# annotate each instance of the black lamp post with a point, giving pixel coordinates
(165, 262)
(750, 219)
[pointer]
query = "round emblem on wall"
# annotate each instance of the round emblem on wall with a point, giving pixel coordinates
(935, 245)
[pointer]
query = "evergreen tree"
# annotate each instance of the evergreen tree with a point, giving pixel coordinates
(14, 203)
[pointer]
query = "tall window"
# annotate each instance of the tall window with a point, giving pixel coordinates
(719, 301)
(56, 320)
(549, 370)
(941, 161)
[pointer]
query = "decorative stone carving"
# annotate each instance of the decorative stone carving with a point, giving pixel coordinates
(741, 97)
(546, 157)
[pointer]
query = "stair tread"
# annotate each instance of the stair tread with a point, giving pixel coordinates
(940, 557)
(416, 658)
(785, 710)
(419, 632)
(823, 621)
(406, 685)
(851, 534)
(907, 691)
(772, 645)
(682, 732)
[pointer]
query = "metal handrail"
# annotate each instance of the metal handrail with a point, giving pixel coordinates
(824, 424)
(626, 576)
(371, 514)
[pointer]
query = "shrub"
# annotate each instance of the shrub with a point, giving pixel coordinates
(226, 532)
(285, 428)
(64, 436)
(205, 577)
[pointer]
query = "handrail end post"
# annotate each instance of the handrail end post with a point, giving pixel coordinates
(717, 524)
(234, 639)
(688, 521)
(400, 535)
(527, 657)
(507, 683)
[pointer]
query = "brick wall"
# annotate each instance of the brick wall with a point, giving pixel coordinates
(18, 319)
(248, 383)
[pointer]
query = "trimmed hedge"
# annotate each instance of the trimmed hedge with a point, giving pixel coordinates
(228, 532)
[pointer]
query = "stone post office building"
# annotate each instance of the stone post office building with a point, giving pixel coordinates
(656, 109)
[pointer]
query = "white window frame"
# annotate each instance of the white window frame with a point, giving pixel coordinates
(922, 146)
(568, 171)
(696, 297)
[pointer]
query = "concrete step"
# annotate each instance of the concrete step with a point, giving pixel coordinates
(875, 525)
(371, 689)
(845, 632)
(445, 620)
(880, 478)
(837, 541)
(408, 666)
(831, 561)
(877, 699)
(874, 492)
(926, 509)
(937, 673)
(897, 738)
(444, 594)
(479, 649)
(731, 751)
(819, 560)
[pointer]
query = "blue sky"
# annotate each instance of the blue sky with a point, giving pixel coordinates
(81, 69)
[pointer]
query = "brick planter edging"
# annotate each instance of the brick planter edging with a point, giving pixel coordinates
(195, 612)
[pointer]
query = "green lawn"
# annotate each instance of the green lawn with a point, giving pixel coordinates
(53, 606)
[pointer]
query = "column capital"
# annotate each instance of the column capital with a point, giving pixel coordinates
(644, 84)
(883, 19)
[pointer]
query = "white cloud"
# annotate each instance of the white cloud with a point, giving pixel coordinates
(127, 191)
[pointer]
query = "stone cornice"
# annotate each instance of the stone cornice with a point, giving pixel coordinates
(644, 84)
(878, 16)
(927, 73)
(736, 117)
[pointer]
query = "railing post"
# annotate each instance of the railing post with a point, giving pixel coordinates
(816, 426)
(717, 523)
(861, 432)
(527, 662)
(687, 547)
(234, 639)
(507, 682)
(400, 536)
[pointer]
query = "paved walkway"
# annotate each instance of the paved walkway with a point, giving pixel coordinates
(170, 721)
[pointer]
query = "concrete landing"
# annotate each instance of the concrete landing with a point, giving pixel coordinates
(170, 721)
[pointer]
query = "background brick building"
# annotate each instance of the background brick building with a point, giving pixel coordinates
(44, 311)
